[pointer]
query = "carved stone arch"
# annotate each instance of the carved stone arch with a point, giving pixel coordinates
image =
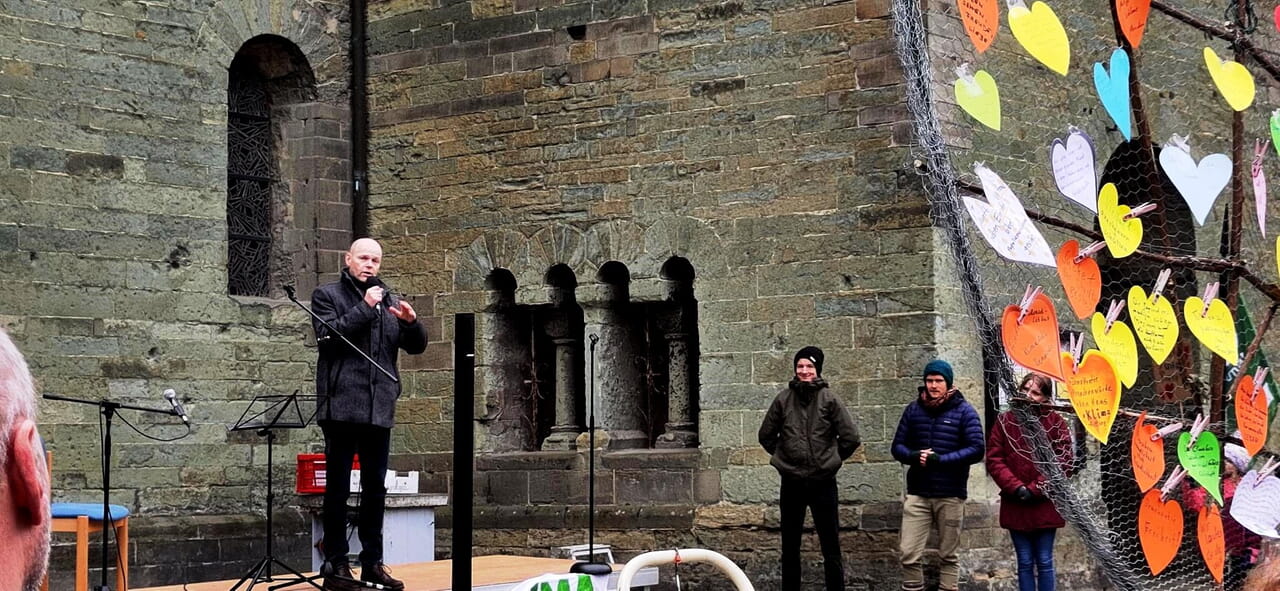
(315, 27)
(613, 240)
(499, 249)
(685, 237)
(549, 247)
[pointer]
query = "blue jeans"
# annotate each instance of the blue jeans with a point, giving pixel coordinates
(1035, 558)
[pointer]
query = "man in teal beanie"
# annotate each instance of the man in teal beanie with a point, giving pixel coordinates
(938, 438)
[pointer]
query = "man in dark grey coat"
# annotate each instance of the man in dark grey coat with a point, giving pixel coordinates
(809, 434)
(357, 404)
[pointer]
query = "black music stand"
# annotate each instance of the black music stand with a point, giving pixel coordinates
(264, 415)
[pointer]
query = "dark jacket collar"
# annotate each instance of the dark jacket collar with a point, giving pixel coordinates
(949, 404)
(361, 287)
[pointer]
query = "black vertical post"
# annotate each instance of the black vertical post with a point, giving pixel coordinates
(464, 361)
(359, 121)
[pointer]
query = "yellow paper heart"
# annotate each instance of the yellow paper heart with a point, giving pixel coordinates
(1041, 34)
(1233, 80)
(1216, 329)
(1094, 390)
(980, 98)
(1123, 236)
(1119, 344)
(1154, 322)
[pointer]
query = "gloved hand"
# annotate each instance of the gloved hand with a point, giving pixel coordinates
(933, 460)
(1023, 494)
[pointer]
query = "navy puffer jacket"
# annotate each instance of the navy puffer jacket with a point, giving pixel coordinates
(954, 432)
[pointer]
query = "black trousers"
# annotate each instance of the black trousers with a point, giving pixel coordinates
(341, 442)
(819, 497)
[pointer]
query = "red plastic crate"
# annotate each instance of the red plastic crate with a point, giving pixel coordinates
(311, 473)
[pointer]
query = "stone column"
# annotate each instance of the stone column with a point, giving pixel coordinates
(619, 417)
(564, 434)
(679, 432)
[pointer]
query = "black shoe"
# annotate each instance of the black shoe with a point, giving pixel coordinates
(339, 578)
(379, 573)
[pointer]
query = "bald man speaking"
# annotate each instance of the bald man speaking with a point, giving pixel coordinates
(357, 405)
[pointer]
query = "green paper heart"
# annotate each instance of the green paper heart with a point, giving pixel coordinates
(1203, 461)
(980, 98)
(1275, 128)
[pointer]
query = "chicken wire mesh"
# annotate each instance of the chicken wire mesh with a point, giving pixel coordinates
(1173, 106)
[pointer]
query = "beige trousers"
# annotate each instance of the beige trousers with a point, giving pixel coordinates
(919, 516)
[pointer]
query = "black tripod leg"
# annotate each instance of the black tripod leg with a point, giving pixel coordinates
(254, 575)
(301, 578)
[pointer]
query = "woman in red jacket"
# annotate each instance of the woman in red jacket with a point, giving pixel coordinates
(1025, 511)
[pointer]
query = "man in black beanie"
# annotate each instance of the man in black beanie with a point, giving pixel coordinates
(809, 433)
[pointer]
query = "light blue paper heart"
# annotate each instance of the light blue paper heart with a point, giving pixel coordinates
(1113, 90)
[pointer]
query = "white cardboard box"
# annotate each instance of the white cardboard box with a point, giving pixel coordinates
(398, 483)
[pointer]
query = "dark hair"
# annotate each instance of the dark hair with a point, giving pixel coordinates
(1042, 383)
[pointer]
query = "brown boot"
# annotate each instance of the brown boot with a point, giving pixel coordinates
(379, 573)
(339, 578)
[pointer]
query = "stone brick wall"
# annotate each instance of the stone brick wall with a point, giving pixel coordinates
(113, 251)
(765, 144)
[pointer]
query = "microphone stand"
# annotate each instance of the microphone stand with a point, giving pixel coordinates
(591, 567)
(288, 290)
(108, 410)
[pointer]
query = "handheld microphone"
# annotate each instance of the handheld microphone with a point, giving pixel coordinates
(172, 397)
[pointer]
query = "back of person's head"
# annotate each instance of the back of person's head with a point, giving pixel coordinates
(1265, 576)
(24, 483)
(17, 393)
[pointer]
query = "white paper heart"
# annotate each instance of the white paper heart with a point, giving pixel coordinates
(1074, 168)
(1199, 183)
(1004, 223)
(1257, 504)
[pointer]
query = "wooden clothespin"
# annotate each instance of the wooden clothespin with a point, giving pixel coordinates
(1076, 342)
(1139, 210)
(1166, 431)
(1210, 292)
(1201, 423)
(1089, 251)
(1266, 470)
(1113, 312)
(1161, 280)
(1174, 478)
(1258, 377)
(1025, 304)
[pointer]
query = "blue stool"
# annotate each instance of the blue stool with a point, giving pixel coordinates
(86, 518)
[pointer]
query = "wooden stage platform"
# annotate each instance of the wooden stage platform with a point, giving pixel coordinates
(488, 573)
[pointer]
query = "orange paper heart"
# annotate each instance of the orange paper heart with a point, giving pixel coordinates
(1094, 389)
(1159, 530)
(1147, 454)
(1033, 343)
(1081, 281)
(1133, 19)
(1251, 415)
(1212, 543)
(981, 20)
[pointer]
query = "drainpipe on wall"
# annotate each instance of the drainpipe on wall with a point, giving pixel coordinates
(359, 122)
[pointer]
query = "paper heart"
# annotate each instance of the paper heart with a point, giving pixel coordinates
(1274, 124)
(1159, 530)
(1004, 223)
(1123, 236)
(1040, 32)
(1033, 343)
(981, 20)
(1259, 178)
(980, 98)
(1081, 281)
(1146, 454)
(1251, 415)
(1133, 19)
(1113, 90)
(1255, 503)
(1213, 545)
(1233, 80)
(1215, 329)
(1278, 27)
(1074, 169)
(1094, 389)
(1154, 322)
(1203, 461)
(1198, 183)
(1119, 345)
